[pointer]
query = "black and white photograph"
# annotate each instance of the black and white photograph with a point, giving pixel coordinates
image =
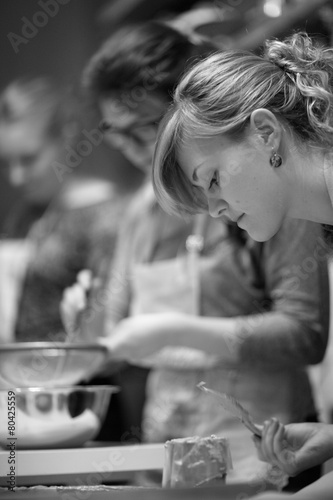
(166, 250)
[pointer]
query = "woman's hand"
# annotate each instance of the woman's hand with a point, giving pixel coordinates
(137, 337)
(295, 447)
(74, 301)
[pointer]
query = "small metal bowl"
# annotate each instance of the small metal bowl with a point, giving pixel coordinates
(59, 417)
(48, 364)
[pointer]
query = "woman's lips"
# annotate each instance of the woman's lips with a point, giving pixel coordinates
(227, 219)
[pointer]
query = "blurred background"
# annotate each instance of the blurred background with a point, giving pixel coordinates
(55, 38)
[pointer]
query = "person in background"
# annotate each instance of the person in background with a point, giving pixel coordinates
(212, 303)
(68, 220)
(273, 134)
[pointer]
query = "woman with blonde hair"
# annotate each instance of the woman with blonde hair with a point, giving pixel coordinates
(249, 138)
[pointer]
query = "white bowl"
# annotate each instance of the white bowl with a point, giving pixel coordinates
(59, 417)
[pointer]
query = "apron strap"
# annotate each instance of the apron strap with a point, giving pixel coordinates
(194, 246)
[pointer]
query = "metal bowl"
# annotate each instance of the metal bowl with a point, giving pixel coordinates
(59, 417)
(48, 364)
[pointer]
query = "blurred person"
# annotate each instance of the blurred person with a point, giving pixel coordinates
(65, 220)
(215, 305)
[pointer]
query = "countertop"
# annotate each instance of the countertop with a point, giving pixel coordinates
(227, 492)
(86, 473)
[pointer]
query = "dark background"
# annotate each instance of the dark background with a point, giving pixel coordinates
(60, 50)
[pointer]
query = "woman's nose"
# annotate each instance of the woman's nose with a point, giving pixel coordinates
(216, 207)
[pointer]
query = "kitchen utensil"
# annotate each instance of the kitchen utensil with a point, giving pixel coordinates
(59, 417)
(48, 364)
(233, 406)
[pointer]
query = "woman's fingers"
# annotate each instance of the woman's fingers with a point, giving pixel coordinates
(272, 432)
(75, 297)
(268, 433)
(282, 448)
(284, 452)
(85, 279)
(274, 448)
(73, 302)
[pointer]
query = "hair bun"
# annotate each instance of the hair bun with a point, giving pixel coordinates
(296, 54)
(299, 54)
(311, 65)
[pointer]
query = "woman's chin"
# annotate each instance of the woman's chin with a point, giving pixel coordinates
(258, 232)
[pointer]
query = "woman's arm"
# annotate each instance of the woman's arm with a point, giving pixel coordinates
(291, 329)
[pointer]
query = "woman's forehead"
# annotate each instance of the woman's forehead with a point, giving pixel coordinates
(191, 154)
(191, 148)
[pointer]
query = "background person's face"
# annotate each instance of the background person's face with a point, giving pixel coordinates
(133, 126)
(28, 155)
(238, 183)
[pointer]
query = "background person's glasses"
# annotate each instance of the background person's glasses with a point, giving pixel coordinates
(142, 131)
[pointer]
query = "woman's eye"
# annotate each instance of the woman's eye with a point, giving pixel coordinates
(214, 181)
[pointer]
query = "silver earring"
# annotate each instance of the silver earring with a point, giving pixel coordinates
(275, 160)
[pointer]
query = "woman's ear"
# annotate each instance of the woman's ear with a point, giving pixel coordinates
(266, 127)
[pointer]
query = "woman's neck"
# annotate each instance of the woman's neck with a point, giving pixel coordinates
(308, 186)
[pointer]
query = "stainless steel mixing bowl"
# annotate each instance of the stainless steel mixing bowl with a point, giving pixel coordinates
(58, 417)
(48, 364)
